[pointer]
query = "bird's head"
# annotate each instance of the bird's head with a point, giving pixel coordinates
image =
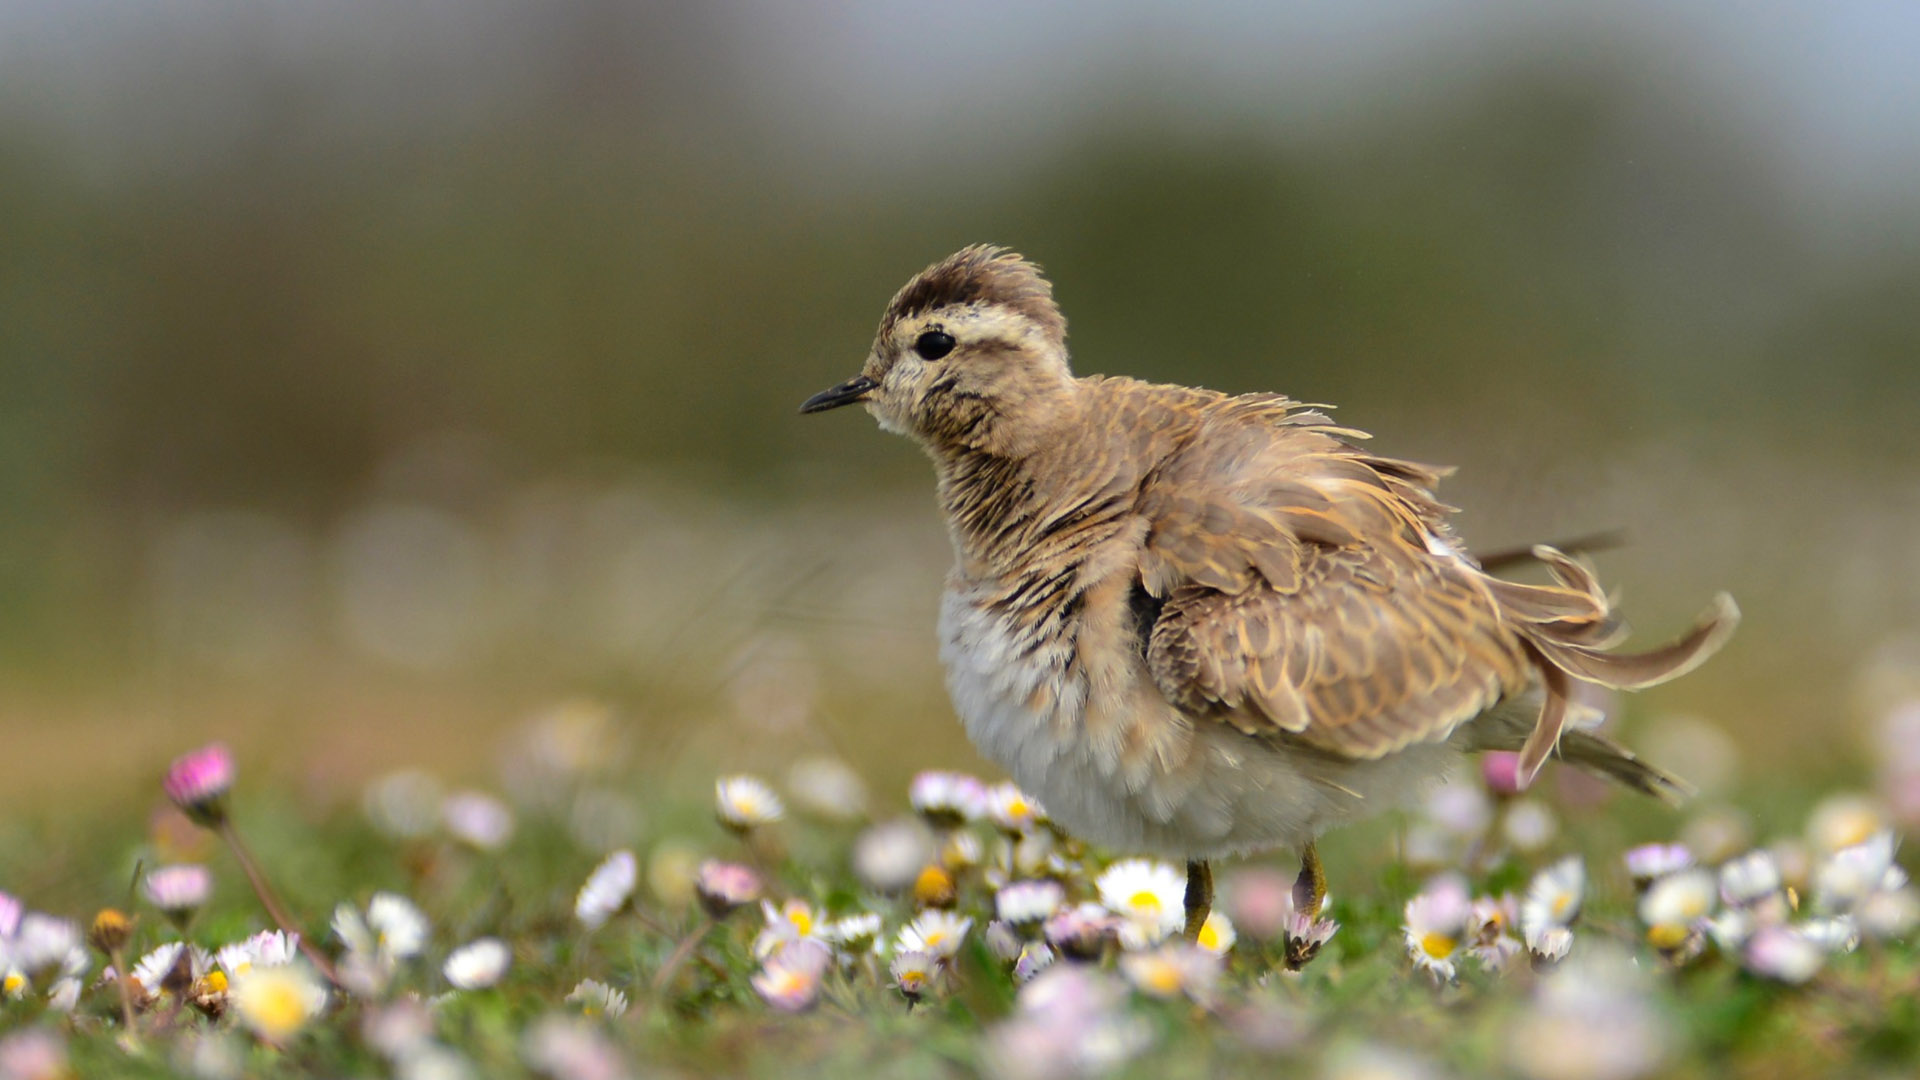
(971, 355)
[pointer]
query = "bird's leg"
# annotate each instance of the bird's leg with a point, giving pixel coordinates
(1310, 888)
(1199, 896)
(1306, 931)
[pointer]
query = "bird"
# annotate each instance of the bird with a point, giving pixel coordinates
(1198, 625)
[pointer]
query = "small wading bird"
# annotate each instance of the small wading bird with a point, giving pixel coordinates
(1197, 625)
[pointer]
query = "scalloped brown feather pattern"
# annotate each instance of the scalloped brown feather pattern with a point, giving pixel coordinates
(1311, 593)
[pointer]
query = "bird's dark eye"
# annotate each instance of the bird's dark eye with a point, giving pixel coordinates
(933, 344)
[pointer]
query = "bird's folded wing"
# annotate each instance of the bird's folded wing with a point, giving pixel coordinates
(1312, 589)
(1368, 650)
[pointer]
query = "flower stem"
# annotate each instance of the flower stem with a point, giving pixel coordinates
(272, 903)
(120, 976)
(664, 978)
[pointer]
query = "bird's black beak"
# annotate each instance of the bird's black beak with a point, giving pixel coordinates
(854, 389)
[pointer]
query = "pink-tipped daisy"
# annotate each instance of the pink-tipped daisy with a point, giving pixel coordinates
(1172, 970)
(790, 980)
(178, 891)
(725, 887)
(1437, 925)
(1650, 862)
(948, 799)
(478, 820)
(197, 782)
(1082, 932)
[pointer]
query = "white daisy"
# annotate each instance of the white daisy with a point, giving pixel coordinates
(936, 933)
(1002, 941)
(1550, 944)
(596, 998)
(1844, 821)
(1749, 879)
(393, 928)
(269, 948)
(1216, 934)
(828, 787)
(888, 857)
(276, 1002)
(1529, 825)
(1889, 914)
(962, 849)
(853, 933)
(1553, 897)
(1029, 901)
(607, 890)
(155, 970)
(746, 802)
(913, 971)
(478, 820)
(1838, 934)
(1731, 928)
(42, 941)
(1436, 926)
(1853, 874)
(1171, 970)
(791, 922)
(948, 798)
(1013, 810)
(478, 964)
(1148, 896)
(1677, 905)
(1035, 957)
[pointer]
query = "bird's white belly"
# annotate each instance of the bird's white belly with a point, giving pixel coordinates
(1206, 791)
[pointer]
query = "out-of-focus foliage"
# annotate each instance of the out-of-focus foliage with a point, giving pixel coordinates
(395, 381)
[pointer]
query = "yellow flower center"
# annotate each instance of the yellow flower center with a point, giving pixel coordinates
(802, 920)
(1667, 936)
(1437, 945)
(1144, 902)
(13, 984)
(935, 937)
(1561, 903)
(275, 1007)
(1209, 936)
(1163, 979)
(214, 982)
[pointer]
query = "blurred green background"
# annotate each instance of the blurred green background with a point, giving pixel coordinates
(374, 375)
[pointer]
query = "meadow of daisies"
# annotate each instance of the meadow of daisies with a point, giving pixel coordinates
(805, 924)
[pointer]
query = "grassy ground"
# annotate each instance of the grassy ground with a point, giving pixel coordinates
(1614, 1007)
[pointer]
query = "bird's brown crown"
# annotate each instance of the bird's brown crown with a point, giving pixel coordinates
(982, 274)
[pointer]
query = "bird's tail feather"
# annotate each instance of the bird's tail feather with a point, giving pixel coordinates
(1569, 627)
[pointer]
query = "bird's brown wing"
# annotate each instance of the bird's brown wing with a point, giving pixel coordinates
(1316, 615)
(1312, 589)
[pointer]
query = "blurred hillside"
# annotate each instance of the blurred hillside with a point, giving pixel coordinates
(375, 376)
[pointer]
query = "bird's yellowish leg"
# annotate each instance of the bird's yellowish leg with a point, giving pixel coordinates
(1310, 888)
(1199, 896)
